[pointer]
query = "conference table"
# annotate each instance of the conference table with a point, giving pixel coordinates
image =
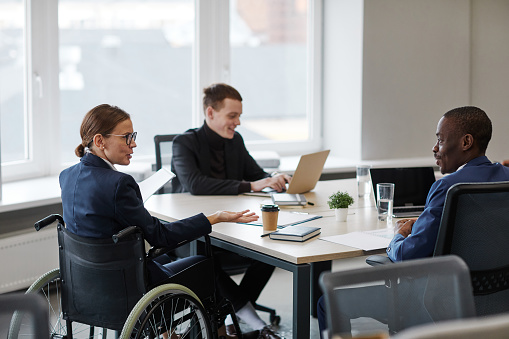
(306, 260)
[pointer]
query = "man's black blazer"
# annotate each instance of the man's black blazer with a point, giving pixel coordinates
(191, 165)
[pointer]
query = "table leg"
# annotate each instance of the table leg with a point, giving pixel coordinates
(316, 269)
(301, 307)
(301, 284)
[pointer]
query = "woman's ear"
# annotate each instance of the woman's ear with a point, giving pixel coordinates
(98, 141)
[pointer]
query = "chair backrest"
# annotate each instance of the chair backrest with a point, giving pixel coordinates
(400, 295)
(101, 280)
(163, 144)
(492, 327)
(475, 227)
(31, 305)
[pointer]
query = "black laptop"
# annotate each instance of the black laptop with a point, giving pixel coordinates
(411, 187)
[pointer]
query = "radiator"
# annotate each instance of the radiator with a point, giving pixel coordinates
(27, 256)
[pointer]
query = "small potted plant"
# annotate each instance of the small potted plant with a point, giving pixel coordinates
(339, 202)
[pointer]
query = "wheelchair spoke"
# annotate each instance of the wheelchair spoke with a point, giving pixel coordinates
(172, 316)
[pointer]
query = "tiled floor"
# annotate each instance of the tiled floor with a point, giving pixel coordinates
(278, 295)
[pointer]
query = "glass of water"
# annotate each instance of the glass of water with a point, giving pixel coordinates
(363, 180)
(385, 200)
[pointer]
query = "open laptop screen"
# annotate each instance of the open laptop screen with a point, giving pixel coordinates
(411, 184)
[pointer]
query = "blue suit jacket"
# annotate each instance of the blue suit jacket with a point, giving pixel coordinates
(99, 201)
(421, 242)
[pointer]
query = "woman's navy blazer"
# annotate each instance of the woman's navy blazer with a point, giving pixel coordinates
(99, 201)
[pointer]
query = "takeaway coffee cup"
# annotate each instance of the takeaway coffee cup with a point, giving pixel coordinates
(269, 217)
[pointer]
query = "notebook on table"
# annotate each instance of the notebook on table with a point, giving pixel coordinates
(295, 233)
(411, 187)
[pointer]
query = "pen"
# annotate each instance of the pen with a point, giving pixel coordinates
(310, 203)
(266, 234)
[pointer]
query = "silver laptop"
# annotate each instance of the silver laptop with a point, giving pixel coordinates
(307, 173)
(411, 187)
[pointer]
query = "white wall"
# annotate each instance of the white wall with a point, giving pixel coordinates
(342, 76)
(420, 58)
(490, 69)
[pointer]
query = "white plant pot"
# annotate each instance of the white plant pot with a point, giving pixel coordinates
(341, 214)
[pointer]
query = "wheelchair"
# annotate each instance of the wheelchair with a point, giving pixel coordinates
(102, 283)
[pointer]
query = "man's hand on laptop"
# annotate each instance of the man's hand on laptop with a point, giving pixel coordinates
(404, 226)
(277, 182)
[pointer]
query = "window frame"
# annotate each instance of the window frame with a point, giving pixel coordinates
(214, 66)
(211, 63)
(41, 96)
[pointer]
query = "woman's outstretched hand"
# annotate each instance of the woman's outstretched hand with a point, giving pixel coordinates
(227, 216)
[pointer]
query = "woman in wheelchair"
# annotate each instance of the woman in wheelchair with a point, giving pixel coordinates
(99, 201)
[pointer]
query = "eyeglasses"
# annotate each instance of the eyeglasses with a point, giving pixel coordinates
(128, 137)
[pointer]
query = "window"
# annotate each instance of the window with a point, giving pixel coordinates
(136, 55)
(269, 43)
(14, 132)
(58, 59)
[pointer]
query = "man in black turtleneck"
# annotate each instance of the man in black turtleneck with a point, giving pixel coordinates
(213, 159)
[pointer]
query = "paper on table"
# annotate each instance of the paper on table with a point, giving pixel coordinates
(157, 180)
(367, 241)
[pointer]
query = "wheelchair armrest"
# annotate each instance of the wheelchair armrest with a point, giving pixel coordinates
(154, 252)
(378, 259)
(157, 251)
(124, 233)
(48, 220)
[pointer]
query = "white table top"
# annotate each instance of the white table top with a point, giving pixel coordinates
(362, 217)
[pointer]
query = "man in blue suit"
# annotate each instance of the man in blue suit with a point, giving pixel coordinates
(463, 135)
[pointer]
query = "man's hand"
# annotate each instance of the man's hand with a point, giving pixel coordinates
(277, 182)
(227, 216)
(404, 226)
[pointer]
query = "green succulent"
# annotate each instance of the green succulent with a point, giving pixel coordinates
(340, 200)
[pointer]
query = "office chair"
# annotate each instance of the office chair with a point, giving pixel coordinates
(401, 295)
(103, 283)
(163, 144)
(31, 307)
(475, 227)
(231, 263)
(493, 327)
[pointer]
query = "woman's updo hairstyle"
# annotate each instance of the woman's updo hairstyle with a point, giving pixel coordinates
(101, 119)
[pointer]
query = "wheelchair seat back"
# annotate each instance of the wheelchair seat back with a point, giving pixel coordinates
(101, 280)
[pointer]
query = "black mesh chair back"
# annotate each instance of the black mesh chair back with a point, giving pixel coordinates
(163, 144)
(101, 280)
(394, 297)
(475, 227)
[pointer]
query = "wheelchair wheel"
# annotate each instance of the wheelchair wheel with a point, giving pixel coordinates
(169, 311)
(48, 285)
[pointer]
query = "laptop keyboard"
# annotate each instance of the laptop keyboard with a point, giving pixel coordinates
(407, 209)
